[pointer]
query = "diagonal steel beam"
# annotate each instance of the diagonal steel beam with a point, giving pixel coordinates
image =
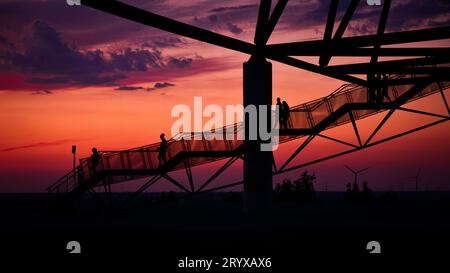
(273, 20)
(317, 69)
(151, 19)
(163, 23)
(339, 32)
(294, 155)
(441, 90)
(217, 173)
(380, 125)
(329, 28)
(337, 140)
(362, 148)
(328, 33)
(421, 112)
(263, 18)
(355, 128)
(173, 181)
(380, 30)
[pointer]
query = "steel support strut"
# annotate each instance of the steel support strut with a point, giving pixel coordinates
(257, 163)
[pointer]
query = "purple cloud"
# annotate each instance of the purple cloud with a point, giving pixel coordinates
(48, 60)
(234, 28)
(129, 88)
(160, 85)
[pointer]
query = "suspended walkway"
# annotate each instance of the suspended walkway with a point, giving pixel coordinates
(345, 105)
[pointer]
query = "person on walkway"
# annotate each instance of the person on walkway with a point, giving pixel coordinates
(162, 150)
(280, 111)
(95, 160)
(385, 88)
(285, 115)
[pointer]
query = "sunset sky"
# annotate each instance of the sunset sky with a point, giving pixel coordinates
(74, 75)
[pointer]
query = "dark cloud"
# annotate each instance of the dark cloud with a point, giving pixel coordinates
(50, 80)
(234, 28)
(179, 62)
(42, 92)
(129, 88)
(233, 8)
(160, 85)
(47, 59)
(213, 18)
(164, 42)
(136, 59)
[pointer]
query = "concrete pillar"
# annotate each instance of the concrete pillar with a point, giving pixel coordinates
(257, 163)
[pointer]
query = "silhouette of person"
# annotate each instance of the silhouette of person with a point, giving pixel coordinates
(379, 89)
(385, 88)
(280, 111)
(162, 150)
(285, 115)
(371, 89)
(95, 159)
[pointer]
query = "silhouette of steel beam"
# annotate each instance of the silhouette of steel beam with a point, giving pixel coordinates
(151, 19)
(326, 56)
(361, 148)
(141, 189)
(416, 80)
(328, 33)
(403, 37)
(263, 18)
(390, 70)
(337, 140)
(380, 30)
(345, 68)
(355, 127)
(380, 125)
(176, 183)
(163, 23)
(296, 152)
(273, 20)
(187, 167)
(421, 112)
(317, 69)
(218, 172)
(441, 90)
(222, 187)
(389, 52)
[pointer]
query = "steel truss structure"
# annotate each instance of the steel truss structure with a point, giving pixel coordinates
(408, 80)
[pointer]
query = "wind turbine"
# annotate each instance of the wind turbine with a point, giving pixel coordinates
(355, 181)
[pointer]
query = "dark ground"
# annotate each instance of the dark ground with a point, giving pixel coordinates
(411, 225)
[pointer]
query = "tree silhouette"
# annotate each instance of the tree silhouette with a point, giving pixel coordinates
(301, 189)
